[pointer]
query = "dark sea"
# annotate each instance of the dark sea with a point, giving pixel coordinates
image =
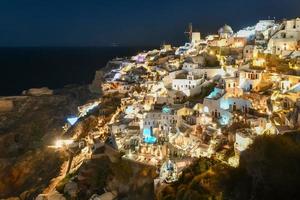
(54, 67)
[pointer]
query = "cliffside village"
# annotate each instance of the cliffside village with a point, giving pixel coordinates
(210, 97)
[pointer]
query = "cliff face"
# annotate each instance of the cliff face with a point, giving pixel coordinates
(26, 131)
(95, 86)
(124, 178)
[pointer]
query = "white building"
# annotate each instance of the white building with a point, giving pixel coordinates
(190, 85)
(220, 105)
(168, 120)
(189, 66)
(196, 37)
(150, 120)
(209, 72)
(231, 86)
(242, 141)
(250, 79)
(263, 25)
(287, 39)
(212, 105)
(247, 32)
(235, 103)
(167, 80)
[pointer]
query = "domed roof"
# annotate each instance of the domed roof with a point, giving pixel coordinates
(225, 29)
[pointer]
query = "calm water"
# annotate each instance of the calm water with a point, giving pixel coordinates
(54, 67)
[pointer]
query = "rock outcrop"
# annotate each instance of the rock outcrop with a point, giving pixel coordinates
(108, 173)
(38, 91)
(26, 131)
(6, 105)
(95, 86)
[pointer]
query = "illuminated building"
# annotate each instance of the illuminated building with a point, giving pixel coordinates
(188, 84)
(286, 38)
(243, 140)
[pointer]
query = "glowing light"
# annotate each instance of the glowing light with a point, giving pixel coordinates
(140, 59)
(206, 109)
(216, 92)
(224, 120)
(224, 104)
(238, 44)
(166, 110)
(147, 132)
(72, 120)
(62, 143)
(130, 155)
(258, 130)
(242, 142)
(148, 138)
(129, 110)
(259, 62)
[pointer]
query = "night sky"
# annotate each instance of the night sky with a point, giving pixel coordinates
(127, 22)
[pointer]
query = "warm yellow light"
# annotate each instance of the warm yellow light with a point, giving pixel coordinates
(238, 44)
(62, 143)
(259, 62)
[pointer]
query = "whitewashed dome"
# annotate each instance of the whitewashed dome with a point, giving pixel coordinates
(225, 29)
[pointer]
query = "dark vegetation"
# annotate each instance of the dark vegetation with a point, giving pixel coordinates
(205, 91)
(269, 169)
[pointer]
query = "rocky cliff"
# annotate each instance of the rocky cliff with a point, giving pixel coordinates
(27, 165)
